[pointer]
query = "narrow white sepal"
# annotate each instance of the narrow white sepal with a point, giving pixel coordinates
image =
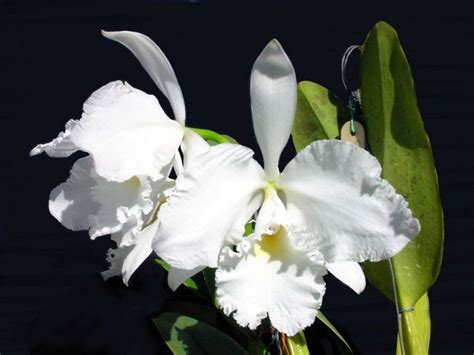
(140, 251)
(273, 103)
(349, 273)
(176, 276)
(154, 61)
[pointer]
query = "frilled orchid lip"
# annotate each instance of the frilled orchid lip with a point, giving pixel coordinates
(268, 276)
(330, 197)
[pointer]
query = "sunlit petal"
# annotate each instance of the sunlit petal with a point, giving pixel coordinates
(127, 133)
(122, 207)
(71, 203)
(213, 199)
(140, 251)
(88, 201)
(335, 197)
(270, 277)
(349, 273)
(193, 145)
(273, 100)
(59, 147)
(177, 276)
(156, 65)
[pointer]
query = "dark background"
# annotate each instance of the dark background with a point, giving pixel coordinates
(52, 298)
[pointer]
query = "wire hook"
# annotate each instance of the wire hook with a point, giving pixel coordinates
(354, 96)
(345, 59)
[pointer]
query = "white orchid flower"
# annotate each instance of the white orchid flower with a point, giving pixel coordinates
(328, 209)
(125, 260)
(124, 130)
(131, 144)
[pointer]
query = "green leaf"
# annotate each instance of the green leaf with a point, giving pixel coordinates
(396, 136)
(256, 347)
(198, 311)
(185, 335)
(328, 324)
(416, 329)
(210, 278)
(297, 344)
(318, 115)
(212, 137)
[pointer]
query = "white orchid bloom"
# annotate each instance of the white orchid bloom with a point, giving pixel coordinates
(131, 144)
(328, 209)
(125, 131)
(125, 260)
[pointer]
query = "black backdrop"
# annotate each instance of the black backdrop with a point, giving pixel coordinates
(52, 299)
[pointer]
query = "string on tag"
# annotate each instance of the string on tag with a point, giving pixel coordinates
(354, 102)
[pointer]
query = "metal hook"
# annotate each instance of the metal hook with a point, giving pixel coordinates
(345, 59)
(354, 96)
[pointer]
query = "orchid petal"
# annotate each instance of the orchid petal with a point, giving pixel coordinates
(59, 147)
(127, 133)
(193, 145)
(177, 276)
(178, 164)
(141, 250)
(213, 199)
(350, 273)
(273, 101)
(71, 203)
(115, 258)
(334, 195)
(122, 207)
(269, 276)
(88, 201)
(156, 65)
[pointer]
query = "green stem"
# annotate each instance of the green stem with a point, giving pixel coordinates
(209, 135)
(256, 347)
(397, 308)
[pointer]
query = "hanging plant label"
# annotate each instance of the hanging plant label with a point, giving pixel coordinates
(358, 138)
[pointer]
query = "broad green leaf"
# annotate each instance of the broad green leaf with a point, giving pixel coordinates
(201, 312)
(189, 283)
(318, 115)
(396, 136)
(297, 344)
(185, 335)
(416, 329)
(328, 324)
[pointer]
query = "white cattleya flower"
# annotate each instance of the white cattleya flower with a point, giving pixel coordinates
(132, 145)
(124, 130)
(329, 209)
(125, 260)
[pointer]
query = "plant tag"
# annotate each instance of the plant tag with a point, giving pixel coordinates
(358, 138)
